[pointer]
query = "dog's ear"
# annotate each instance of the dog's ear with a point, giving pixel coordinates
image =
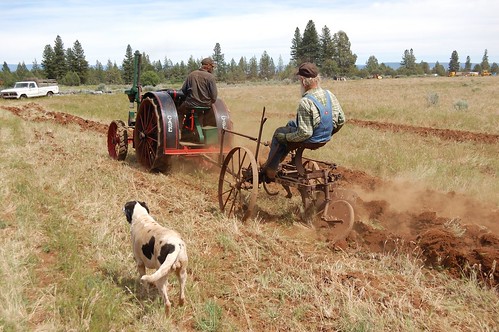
(145, 206)
(128, 210)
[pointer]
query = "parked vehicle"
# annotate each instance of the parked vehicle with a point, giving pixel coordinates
(31, 89)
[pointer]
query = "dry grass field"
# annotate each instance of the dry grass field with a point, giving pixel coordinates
(420, 153)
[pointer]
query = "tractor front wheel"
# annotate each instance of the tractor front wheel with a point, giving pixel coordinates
(117, 140)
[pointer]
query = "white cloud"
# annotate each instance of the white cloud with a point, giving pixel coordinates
(177, 30)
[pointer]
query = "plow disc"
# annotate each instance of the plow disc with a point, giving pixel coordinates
(337, 222)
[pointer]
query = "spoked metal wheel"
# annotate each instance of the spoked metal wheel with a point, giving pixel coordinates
(117, 140)
(238, 183)
(337, 222)
(148, 137)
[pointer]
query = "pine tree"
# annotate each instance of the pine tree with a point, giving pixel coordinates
(267, 68)
(48, 62)
(372, 66)
(485, 62)
(70, 60)
(127, 65)
(7, 76)
(438, 69)
(409, 61)
(157, 66)
(22, 71)
(236, 72)
(99, 69)
(424, 67)
(243, 65)
(494, 69)
(467, 65)
(310, 44)
(5, 68)
(253, 68)
(60, 65)
(326, 46)
(454, 62)
(280, 65)
(296, 52)
(145, 64)
(113, 73)
(81, 64)
(36, 70)
(192, 64)
(219, 58)
(344, 57)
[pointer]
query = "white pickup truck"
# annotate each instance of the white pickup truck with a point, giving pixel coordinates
(30, 89)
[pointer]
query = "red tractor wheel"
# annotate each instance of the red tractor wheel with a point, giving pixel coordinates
(238, 184)
(148, 136)
(117, 140)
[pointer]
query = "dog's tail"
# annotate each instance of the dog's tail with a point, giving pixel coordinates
(164, 269)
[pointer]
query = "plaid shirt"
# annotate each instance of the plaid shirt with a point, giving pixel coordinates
(308, 116)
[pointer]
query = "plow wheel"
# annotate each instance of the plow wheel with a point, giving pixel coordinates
(338, 221)
(238, 183)
(148, 137)
(117, 140)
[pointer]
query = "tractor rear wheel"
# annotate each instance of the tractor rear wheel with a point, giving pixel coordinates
(238, 183)
(117, 140)
(147, 137)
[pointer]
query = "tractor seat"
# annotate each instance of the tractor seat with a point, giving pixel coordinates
(193, 123)
(300, 147)
(198, 110)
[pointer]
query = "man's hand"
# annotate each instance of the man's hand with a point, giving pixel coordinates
(281, 138)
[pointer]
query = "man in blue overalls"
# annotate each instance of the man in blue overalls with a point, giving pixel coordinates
(318, 117)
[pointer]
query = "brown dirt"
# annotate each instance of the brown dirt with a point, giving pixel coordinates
(446, 134)
(35, 112)
(448, 231)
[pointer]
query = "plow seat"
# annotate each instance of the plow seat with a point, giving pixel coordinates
(299, 148)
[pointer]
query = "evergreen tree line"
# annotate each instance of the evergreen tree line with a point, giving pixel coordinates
(331, 52)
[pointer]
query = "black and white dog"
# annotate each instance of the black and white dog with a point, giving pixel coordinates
(156, 247)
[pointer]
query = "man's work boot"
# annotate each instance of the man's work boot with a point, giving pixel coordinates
(270, 174)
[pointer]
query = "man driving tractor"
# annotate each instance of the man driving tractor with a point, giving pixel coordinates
(200, 91)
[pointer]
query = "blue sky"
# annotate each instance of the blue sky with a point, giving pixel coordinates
(180, 29)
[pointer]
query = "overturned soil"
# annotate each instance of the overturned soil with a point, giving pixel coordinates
(448, 231)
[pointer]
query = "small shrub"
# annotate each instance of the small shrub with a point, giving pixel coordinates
(461, 105)
(150, 78)
(432, 99)
(101, 87)
(148, 88)
(71, 79)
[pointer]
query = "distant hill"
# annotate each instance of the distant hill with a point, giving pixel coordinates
(14, 67)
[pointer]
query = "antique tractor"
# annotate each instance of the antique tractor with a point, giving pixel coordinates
(156, 130)
(154, 127)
